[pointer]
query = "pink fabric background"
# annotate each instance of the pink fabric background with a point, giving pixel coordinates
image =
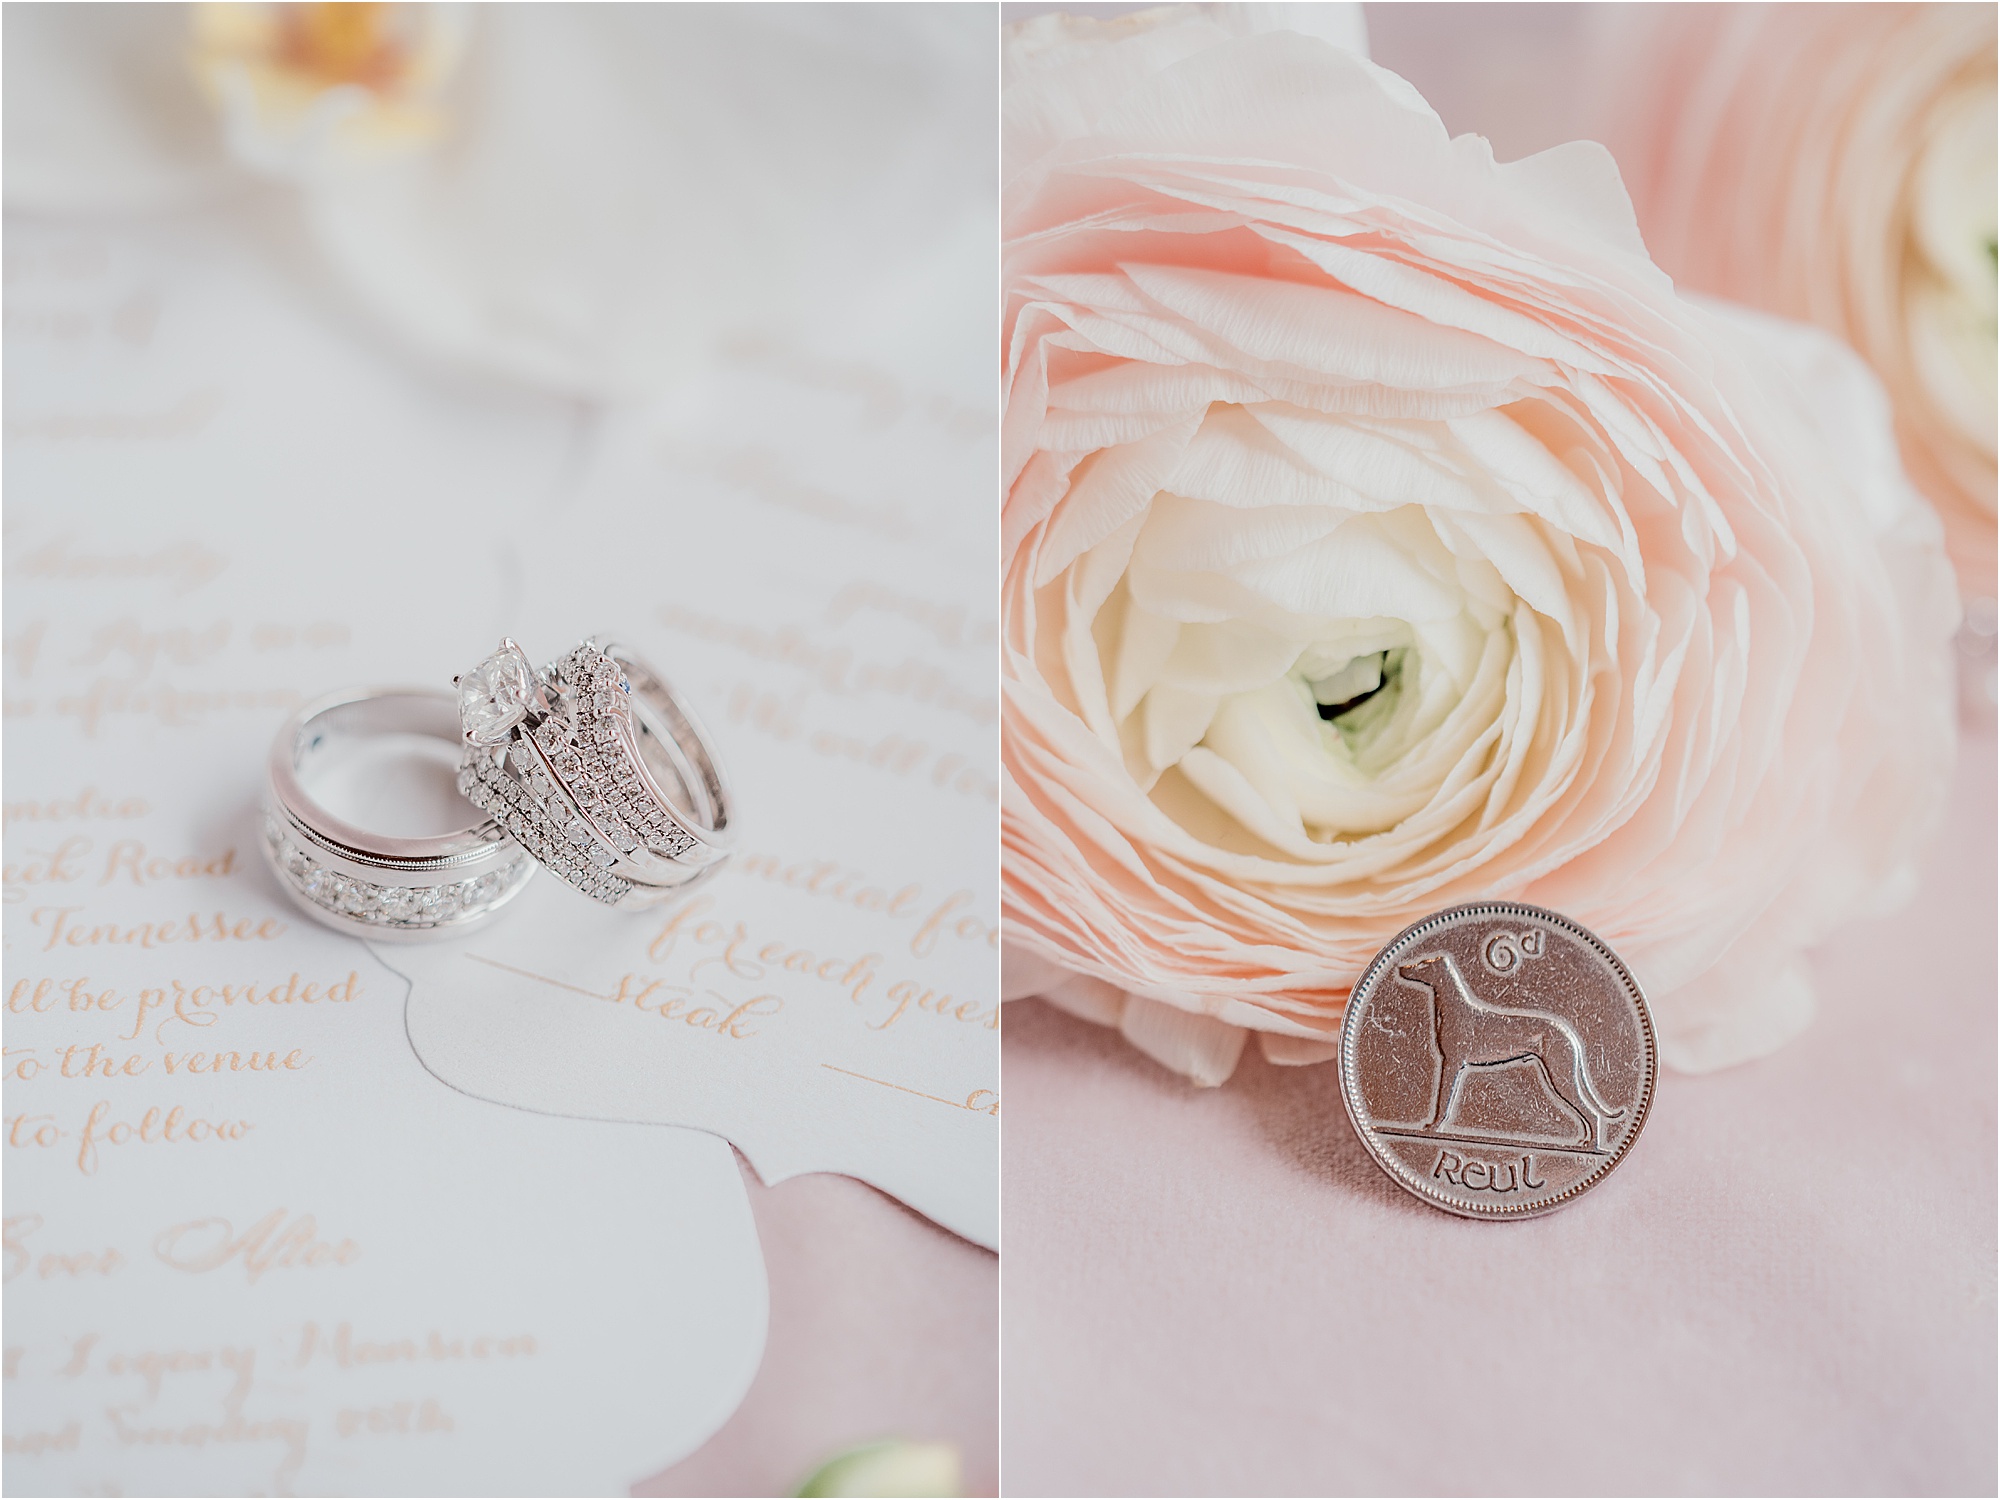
(1788, 1288)
(882, 1325)
(1514, 73)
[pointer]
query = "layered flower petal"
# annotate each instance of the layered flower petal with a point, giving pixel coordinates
(1382, 531)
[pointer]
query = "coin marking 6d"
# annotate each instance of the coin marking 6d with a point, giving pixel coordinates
(1503, 952)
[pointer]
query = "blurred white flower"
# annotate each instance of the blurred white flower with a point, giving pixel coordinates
(304, 86)
(587, 198)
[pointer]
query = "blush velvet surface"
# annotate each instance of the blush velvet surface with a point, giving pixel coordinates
(882, 1324)
(1787, 1289)
(1384, 531)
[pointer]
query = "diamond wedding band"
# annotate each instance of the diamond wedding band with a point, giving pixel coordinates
(598, 768)
(369, 884)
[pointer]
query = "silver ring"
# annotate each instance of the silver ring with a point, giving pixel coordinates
(369, 884)
(598, 768)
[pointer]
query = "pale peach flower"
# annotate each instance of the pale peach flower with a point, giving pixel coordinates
(1382, 531)
(1835, 163)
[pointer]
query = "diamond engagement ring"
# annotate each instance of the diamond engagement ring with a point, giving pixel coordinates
(366, 883)
(598, 768)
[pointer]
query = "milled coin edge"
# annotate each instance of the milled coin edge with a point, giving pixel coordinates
(1392, 1167)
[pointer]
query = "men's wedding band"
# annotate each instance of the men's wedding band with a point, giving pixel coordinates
(369, 884)
(598, 768)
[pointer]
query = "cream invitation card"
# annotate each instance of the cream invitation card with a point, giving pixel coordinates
(813, 548)
(251, 1245)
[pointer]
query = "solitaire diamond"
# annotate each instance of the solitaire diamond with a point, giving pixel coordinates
(496, 695)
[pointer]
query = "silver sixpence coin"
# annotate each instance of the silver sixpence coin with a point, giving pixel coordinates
(1497, 1060)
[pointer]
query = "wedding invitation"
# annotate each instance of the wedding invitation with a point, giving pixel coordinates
(287, 1211)
(251, 1245)
(811, 541)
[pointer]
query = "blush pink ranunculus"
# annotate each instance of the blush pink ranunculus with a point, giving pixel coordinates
(1383, 532)
(1835, 163)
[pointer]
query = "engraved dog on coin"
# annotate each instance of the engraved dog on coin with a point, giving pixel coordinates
(1473, 1034)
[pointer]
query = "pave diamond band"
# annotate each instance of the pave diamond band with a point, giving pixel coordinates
(598, 768)
(483, 778)
(369, 884)
(388, 909)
